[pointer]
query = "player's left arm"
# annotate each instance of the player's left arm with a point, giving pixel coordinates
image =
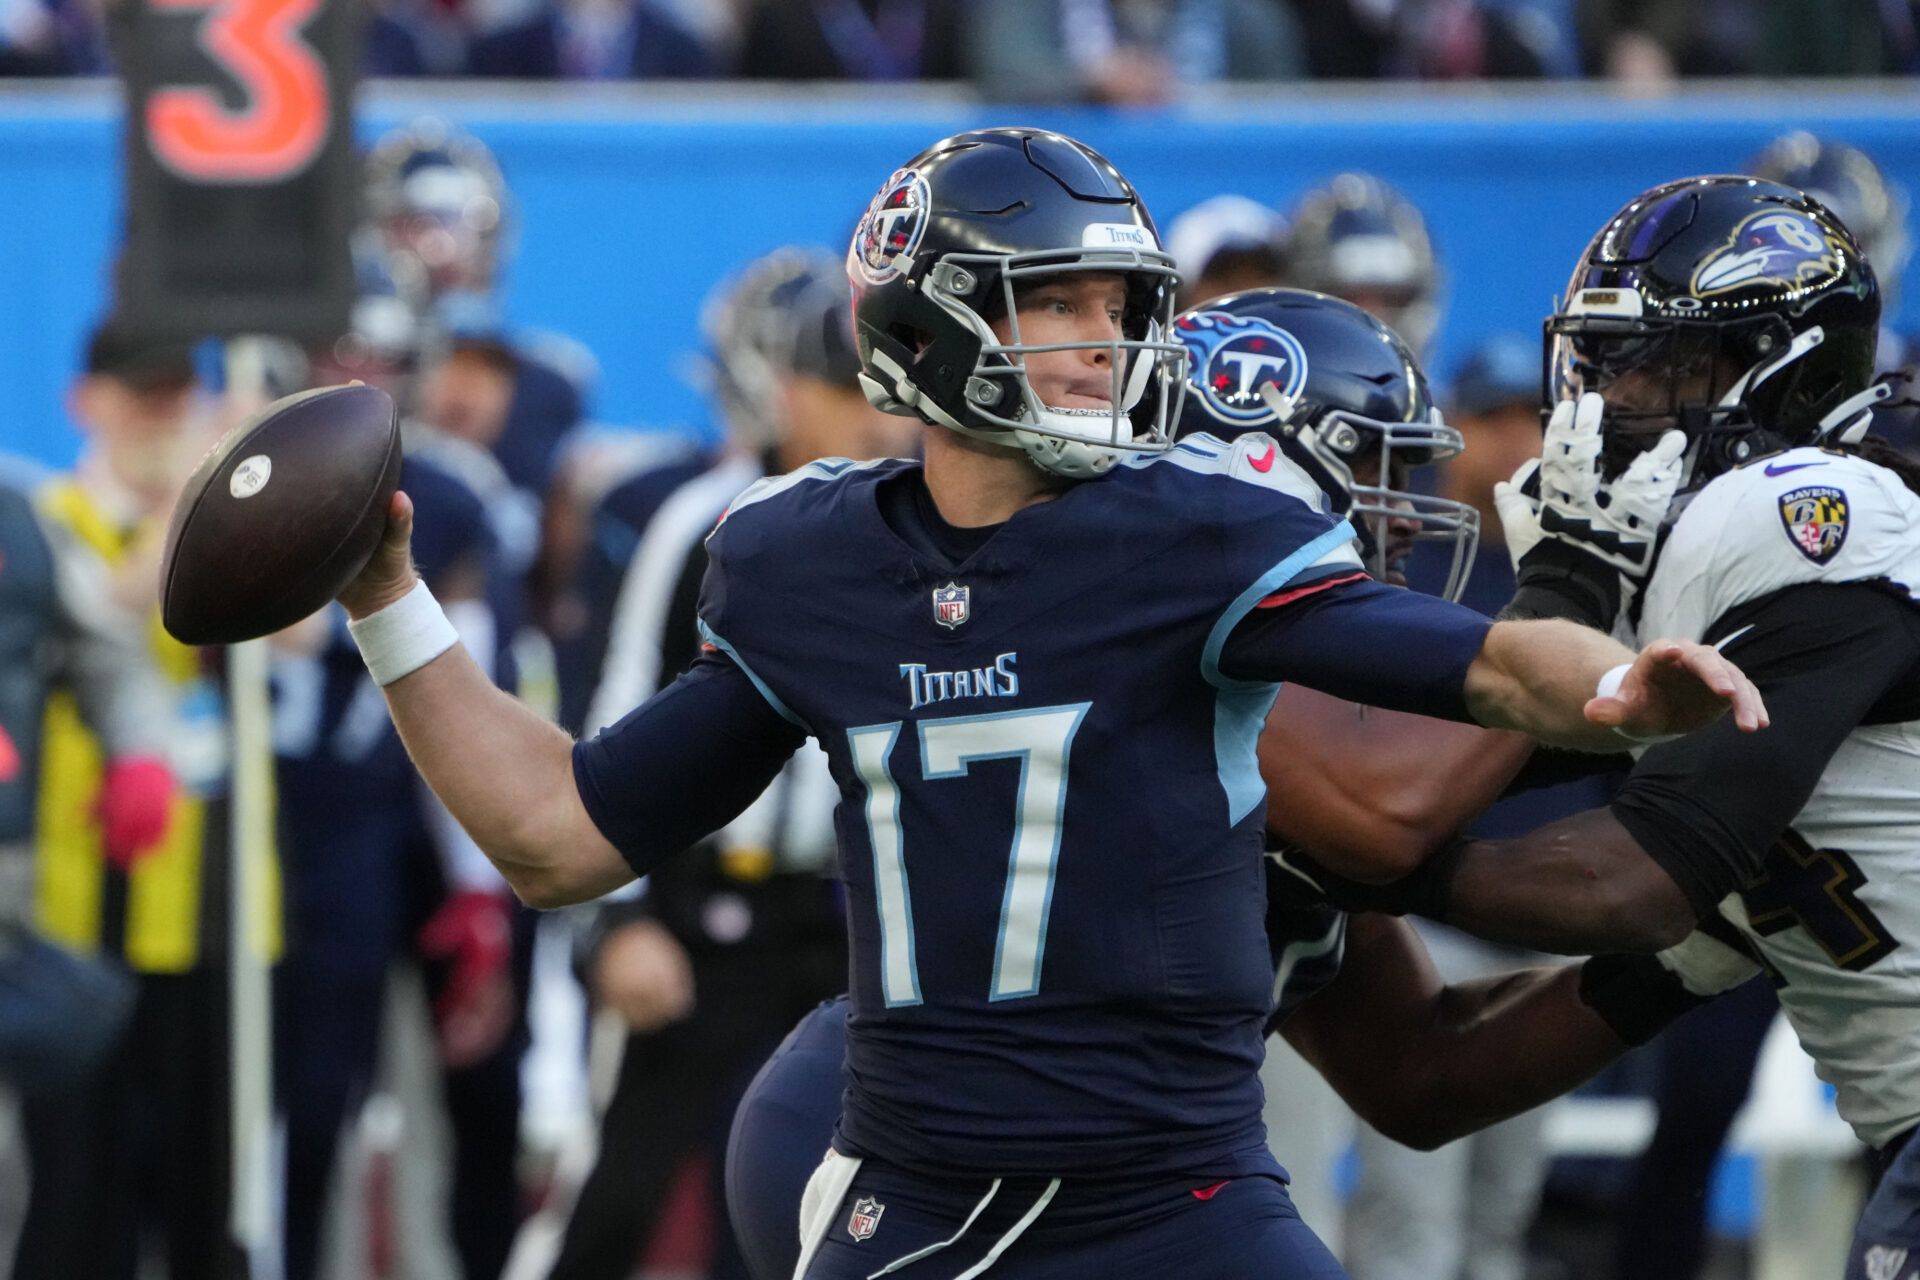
(1402, 651)
(1426, 1063)
(1698, 815)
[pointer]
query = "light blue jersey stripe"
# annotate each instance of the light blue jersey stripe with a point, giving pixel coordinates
(712, 637)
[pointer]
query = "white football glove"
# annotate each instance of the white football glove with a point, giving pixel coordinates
(1519, 511)
(1618, 521)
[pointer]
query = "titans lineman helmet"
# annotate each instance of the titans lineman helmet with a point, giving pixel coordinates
(945, 249)
(1358, 238)
(1345, 399)
(1740, 311)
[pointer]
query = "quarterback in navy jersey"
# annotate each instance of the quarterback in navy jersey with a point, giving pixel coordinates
(1422, 1062)
(1038, 663)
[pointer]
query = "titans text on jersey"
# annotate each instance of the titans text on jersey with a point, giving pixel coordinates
(998, 680)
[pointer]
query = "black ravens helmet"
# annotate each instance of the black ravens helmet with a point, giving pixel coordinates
(1740, 311)
(1345, 399)
(943, 251)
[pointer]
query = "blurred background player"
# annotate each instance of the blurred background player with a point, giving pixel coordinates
(1358, 238)
(442, 211)
(718, 954)
(391, 877)
(139, 1156)
(1227, 244)
(62, 1014)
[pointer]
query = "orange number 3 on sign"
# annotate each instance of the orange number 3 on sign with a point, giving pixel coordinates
(283, 122)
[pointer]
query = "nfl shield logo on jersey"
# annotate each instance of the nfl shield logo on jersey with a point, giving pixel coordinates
(866, 1218)
(952, 604)
(1816, 521)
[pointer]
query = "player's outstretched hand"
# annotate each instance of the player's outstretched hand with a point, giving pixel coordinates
(390, 573)
(1675, 687)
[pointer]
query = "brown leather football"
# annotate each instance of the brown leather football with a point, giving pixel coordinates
(280, 515)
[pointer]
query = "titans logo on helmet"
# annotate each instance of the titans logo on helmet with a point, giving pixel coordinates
(1230, 357)
(890, 231)
(1774, 246)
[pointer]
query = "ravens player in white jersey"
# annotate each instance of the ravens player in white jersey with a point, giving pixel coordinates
(1038, 661)
(1726, 327)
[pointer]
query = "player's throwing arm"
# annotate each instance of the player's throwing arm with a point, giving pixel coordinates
(503, 771)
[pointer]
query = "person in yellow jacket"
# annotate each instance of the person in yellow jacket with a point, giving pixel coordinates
(143, 1148)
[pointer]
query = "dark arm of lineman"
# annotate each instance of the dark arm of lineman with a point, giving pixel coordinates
(1374, 793)
(1425, 1063)
(1697, 816)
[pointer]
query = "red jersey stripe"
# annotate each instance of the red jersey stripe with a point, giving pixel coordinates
(1279, 598)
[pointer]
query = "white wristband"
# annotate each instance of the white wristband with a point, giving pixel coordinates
(403, 637)
(1609, 687)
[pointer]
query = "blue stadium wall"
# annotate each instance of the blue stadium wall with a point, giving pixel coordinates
(628, 207)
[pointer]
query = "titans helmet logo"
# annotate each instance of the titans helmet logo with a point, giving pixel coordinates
(889, 232)
(1230, 357)
(1774, 246)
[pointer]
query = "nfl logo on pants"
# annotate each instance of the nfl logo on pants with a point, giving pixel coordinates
(866, 1218)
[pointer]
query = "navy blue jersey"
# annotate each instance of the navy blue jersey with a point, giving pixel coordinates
(1051, 815)
(785, 1119)
(331, 729)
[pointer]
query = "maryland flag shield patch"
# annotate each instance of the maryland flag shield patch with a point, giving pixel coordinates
(1816, 521)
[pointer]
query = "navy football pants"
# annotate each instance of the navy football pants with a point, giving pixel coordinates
(1886, 1243)
(1246, 1229)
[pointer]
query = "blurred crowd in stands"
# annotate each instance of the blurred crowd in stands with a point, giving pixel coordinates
(1119, 51)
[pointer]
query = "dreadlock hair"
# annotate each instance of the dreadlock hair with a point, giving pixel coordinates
(1884, 453)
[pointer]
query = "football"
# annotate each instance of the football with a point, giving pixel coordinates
(280, 515)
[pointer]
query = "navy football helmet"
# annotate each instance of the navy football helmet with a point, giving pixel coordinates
(786, 313)
(946, 246)
(439, 201)
(1740, 311)
(1846, 180)
(1345, 398)
(1357, 238)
